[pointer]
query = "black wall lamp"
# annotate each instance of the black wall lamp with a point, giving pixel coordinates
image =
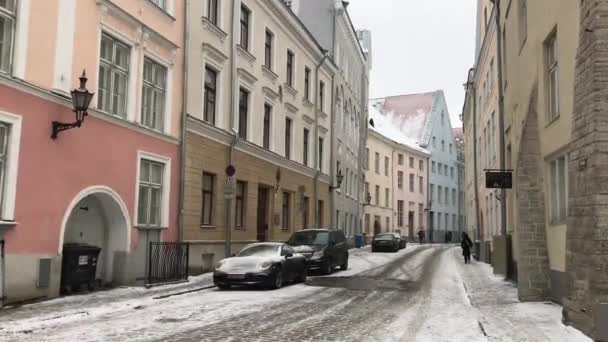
(339, 177)
(81, 98)
(368, 200)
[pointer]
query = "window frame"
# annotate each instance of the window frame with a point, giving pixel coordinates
(552, 76)
(150, 186)
(243, 112)
(11, 16)
(305, 146)
(207, 88)
(213, 12)
(113, 69)
(321, 143)
(8, 188)
(288, 136)
(267, 126)
(400, 179)
(156, 89)
(245, 23)
(268, 48)
(307, 72)
(206, 193)
(290, 64)
(286, 211)
(558, 198)
(412, 182)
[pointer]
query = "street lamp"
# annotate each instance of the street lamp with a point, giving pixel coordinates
(368, 200)
(339, 177)
(81, 98)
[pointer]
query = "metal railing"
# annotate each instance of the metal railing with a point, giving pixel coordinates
(167, 262)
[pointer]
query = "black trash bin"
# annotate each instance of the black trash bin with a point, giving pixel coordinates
(78, 266)
(477, 249)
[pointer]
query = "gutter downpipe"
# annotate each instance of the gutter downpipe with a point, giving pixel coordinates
(317, 166)
(501, 120)
(471, 84)
(228, 202)
(180, 229)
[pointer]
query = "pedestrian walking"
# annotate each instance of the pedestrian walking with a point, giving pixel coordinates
(466, 245)
(421, 235)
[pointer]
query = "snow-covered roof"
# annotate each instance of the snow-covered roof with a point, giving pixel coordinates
(384, 126)
(410, 113)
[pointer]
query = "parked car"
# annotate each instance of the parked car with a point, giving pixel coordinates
(385, 242)
(324, 249)
(402, 240)
(269, 264)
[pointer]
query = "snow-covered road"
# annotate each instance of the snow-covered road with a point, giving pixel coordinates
(423, 293)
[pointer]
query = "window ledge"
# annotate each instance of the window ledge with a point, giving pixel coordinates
(245, 54)
(208, 227)
(290, 89)
(150, 228)
(323, 115)
(162, 10)
(556, 118)
(213, 28)
(8, 224)
(269, 73)
(307, 103)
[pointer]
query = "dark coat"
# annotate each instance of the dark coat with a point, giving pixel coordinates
(466, 245)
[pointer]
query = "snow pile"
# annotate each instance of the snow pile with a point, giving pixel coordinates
(384, 126)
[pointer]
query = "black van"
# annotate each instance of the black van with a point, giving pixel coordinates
(324, 249)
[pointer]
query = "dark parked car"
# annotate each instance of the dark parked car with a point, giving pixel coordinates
(385, 242)
(324, 249)
(269, 264)
(402, 240)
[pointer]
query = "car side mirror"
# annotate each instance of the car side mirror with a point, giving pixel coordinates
(289, 256)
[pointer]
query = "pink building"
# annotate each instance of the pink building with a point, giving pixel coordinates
(114, 182)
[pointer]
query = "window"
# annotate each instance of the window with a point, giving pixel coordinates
(286, 211)
(434, 142)
(440, 168)
(400, 159)
(400, 179)
(4, 142)
(523, 21)
(366, 192)
(321, 142)
(212, 11)
(268, 38)
(439, 194)
(240, 204)
(421, 165)
(400, 213)
(552, 76)
(210, 95)
(491, 76)
(160, 3)
(447, 195)
(452, 172)
(386, 162)
(421, 184)
(446, 218)
(307, 83)
(290, 61)
(153, 98)
(442, 118)
(445, 169)
(207, 212)
(442, 145)
(267, 115)
(493, 136)
(377, 197)
(367, 158)
(559, 189)
(7, 27)
(454, 197)
(321, 95)
(150, 193)
(412, 176)
(432, 192)
(420, 213)
(412, 162)
(288, 138)
(305, 147)
(243, 112)
(433, 166)
(245, 16)
(377, 163)
(321, 209)
(387, 197)
(504, 53)
(113, 76)
(305, 211)
(451, 148)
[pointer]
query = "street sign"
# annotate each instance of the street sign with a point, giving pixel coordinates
(229, 189)
(499, 179)
(230, 170)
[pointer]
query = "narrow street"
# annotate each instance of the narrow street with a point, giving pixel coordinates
(422, 293)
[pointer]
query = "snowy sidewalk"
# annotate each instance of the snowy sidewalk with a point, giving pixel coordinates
(502, 317)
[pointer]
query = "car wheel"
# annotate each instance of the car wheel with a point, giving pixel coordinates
(302, 277)
(223, 286)
(327, 267)
(344, 266)
(278, 279)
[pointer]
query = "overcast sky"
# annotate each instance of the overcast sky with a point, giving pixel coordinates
(419, 46)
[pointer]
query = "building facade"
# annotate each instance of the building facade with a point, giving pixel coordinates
(330, 24)
(482, 132)
(396, 180)
(425, 118)
(114, 181)
(265, 110)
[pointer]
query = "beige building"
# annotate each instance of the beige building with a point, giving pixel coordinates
(481, 130)
(260, 99)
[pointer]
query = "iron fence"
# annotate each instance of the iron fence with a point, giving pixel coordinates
(167, 262)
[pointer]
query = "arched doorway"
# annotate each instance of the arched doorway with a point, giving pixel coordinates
(98, 216)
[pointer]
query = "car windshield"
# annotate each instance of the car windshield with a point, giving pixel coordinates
(309, 238)
(260, 251)
(384, 237)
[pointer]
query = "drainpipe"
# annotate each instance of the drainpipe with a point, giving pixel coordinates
(180, 229)
(392, 199)
(471, 84)
(2, 272)
(317, 166)
(232, 112)
(501, 120)
(430, 201)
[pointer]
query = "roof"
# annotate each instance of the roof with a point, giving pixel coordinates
(410, 113)
(384, 127)
(458, 133)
